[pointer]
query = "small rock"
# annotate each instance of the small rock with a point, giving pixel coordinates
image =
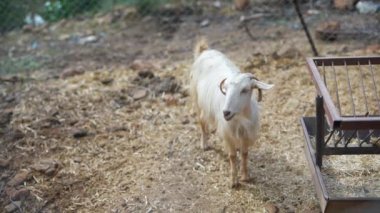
(145, 74)
(328, 31)
(35, 19)
(5, 117)
(88, 39)
(20, 194)
(205, 23)
(106, 81)
(117, 129)
(270, 208)
(241, 4)
(80, 133)
(10, 98)
(12, 206)
(141, 65)
(185, 121)
(64, 37)
(287, 51)
(368, 7)
(19, 178)
(170, 100)
(48, 167)
(313, 12)
(49, 122)
(139, 94)
(344, 4)
(217, 4)
(77, 160)
(167, 85)
(4, 163)
(70, 72)
(27, 28)
(13, 135)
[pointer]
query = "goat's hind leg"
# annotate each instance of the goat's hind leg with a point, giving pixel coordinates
(205, 132)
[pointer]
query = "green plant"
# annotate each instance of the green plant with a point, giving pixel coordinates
(57, 9)
(12, 14)
(19, 65)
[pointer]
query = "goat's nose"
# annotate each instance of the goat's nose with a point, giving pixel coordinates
(226, 113)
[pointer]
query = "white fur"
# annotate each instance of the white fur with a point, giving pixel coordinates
(207, 73)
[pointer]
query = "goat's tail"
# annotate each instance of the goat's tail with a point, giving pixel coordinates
(200, 46)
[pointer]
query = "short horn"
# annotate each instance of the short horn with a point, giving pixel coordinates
(253, 77)
(260, 95)
(260, 91)
(221, 86)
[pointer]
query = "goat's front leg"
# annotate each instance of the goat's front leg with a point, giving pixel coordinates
(232, 155)
(244, 166)
(234, 179)
(205, 133)
(244, 161)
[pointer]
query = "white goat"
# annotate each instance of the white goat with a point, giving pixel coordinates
(222, 97)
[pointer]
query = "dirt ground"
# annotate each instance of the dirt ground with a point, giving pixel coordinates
(107, 125)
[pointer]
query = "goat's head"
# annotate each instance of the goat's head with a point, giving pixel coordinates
(238, 92)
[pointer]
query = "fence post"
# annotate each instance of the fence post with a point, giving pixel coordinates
(320, 125)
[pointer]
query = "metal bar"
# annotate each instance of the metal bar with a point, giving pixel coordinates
(305, 28)
(320, 124)
(340, 138)
(339, 61)
(377, 141)
(336, 88)
(350, 138)
(350, 123)
(350, 90)
(363, 89)
(374, 84)
(354, 204)
(333, 117)
(324, 74)
(367, 137)
(315, 170)
(352, 150)
(329, 137)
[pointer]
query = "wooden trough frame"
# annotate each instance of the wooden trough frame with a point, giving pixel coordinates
(331, 133)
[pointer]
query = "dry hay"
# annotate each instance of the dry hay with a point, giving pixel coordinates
(143, 155)
(352, 176)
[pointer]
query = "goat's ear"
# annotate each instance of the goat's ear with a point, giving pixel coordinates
(261, 85)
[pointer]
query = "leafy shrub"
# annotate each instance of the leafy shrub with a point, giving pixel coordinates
(58, 9)
(12, 14)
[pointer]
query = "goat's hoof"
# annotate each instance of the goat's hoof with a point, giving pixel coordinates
(207, 148)
(245, 179)
(235, 185)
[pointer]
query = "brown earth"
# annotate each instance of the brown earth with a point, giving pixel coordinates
(106, 126)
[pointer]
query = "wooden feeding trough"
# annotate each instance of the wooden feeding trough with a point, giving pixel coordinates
(347, 122)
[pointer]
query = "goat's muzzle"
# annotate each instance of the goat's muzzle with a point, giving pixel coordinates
(228, 115)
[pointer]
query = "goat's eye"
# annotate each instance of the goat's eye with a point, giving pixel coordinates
(244, 91)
